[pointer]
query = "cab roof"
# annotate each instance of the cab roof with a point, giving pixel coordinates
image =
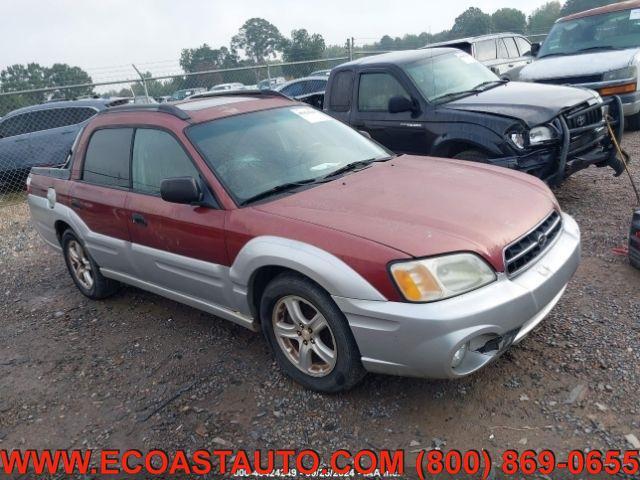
(400, 57)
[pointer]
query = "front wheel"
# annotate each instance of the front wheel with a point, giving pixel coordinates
(309, 335)
(472, 156)
(632, 122)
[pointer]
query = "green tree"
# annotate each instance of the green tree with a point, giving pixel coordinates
(574, 6)
(205, 58)
(472, 21)
(259, 40)
(303, 46)
(543, 18)
(62, 74)
(509, 20)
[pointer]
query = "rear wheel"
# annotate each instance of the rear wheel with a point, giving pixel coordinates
(83, 269)
(472, 156)
(632, 122)
(309, 335)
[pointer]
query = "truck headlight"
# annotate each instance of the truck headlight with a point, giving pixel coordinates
(542, 134)
(441, 277)
(621, 74)
(518, 139)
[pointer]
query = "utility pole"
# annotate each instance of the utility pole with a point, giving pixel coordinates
(144, 82)
(350, 48)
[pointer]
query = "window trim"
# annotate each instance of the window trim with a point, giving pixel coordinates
(515, 44)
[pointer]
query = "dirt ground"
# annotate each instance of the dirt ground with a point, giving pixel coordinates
(140, 371)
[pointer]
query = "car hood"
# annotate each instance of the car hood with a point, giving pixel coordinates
(426, 206)
(577, 65)
(530, 102)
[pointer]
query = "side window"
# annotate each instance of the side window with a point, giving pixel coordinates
(341, 92)
(294, 89)
(486, 50)
(524, 46)
(12, 126)
(376, 89)
(511, 47)
(502, 49)
(107, 159)
(157, 156)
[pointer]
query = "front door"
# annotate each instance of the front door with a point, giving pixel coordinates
(400, 132)
(177, 247)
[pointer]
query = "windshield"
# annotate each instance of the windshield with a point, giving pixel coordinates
(256, 152)
(608, 31)
(448, 74)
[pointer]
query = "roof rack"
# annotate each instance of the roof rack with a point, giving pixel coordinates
(239, 93)
(153, 107)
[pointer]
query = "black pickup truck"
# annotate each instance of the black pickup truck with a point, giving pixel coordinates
(442, 102)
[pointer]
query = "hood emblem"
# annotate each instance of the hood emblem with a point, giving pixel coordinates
(542, 240)
(581, 120)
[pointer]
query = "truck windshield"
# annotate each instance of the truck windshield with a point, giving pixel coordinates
(608, 31)
(259, 152)
(451, 74)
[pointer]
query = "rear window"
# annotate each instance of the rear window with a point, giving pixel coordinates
(511, 47)
(524, 46)
(341, 92)
(59, 117)
(107, 159)
(12, 126)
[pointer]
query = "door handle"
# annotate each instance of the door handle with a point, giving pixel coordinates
(75, 203)
(139, 219)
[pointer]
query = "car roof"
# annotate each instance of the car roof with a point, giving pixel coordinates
(399, 57)
(322, 78)
(98, 103)
(472, 39)
(203, 109)
(614, 7)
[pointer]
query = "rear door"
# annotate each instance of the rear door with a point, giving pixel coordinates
(485, 51)
(178, 247)
(98, 198)
(516, 59)
(15, 154)
(54, 132)
(400, 132)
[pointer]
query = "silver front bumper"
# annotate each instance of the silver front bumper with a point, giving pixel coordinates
(420, 339)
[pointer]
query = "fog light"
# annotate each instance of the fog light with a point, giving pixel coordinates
(459, 355)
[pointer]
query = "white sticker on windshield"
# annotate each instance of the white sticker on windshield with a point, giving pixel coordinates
(634, 14)
(311, 115)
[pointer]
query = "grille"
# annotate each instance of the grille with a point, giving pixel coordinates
(584, 117)
(586, 128)
(571, 80)
(522, 253)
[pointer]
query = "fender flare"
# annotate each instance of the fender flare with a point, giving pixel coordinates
(324, 268)
(460, 135)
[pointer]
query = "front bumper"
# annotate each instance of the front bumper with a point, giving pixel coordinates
(420, 339)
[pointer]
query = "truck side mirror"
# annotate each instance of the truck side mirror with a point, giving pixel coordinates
(181, 190)
(399, 103)
(535, 48)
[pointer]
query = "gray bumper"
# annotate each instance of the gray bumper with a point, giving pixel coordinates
(420, 339)
(630, 103)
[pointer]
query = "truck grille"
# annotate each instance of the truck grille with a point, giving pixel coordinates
(571, 80)
(586, 128)
(523, 252)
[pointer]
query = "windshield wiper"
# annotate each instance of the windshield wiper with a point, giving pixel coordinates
(481, 87)
(601, 47)
(277, 189)
(354, 166)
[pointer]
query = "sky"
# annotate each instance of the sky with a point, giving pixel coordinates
(105, 36)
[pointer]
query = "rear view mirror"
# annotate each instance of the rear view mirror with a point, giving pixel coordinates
(535, 48)
(398, 104)
(181, 190)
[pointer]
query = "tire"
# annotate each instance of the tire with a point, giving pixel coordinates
(632, 122)
(332, 335)
(95, 285)
(472, 156)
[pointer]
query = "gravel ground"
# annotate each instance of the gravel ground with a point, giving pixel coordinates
(140, 371)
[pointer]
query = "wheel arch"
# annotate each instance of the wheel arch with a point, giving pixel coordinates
(60, 227)
(264, 258)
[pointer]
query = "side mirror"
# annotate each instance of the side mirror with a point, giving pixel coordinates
(398, 104)
(535, 48)
(181, 190)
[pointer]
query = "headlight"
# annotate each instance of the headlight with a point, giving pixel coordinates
(621, 74)
(441, 277)
(518, 139)
(538, 135)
